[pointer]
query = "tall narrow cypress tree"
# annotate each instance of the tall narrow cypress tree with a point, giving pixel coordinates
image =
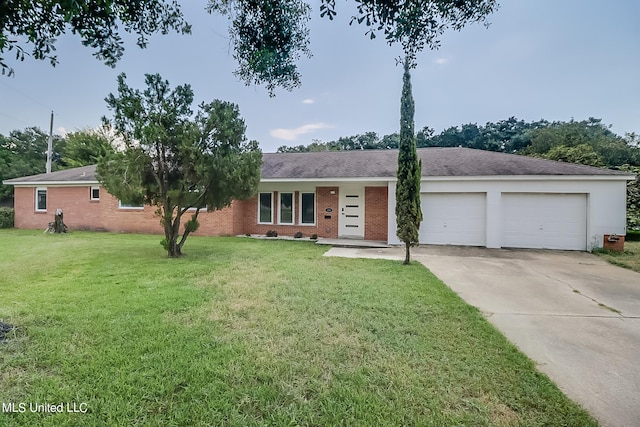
(408, 211)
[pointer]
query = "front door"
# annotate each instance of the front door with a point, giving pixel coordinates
(351, 222)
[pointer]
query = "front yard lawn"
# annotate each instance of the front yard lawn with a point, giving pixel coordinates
(630, 258)
(250, 332)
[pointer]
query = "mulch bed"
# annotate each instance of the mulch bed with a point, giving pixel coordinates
(5, 328)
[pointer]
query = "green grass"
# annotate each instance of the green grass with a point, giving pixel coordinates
(630, 258)
(251, 332)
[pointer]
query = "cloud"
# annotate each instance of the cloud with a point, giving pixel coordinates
(441, 61)
(61, 131)
(308, 101)
(293, 134)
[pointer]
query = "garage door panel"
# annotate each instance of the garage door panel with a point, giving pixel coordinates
(453, 219)
(544, 221)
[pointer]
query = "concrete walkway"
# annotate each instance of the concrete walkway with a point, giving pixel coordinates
(576, 316)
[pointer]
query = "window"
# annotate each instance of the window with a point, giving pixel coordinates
(307, 208)
(286, 208)
(123, 205)
(265, 208)
(95, 193)
(41, 199)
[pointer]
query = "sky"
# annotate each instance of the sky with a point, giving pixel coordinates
(539, 59)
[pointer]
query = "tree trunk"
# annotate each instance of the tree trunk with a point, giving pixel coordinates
(407, 253)
(171, 229)
(57, 225)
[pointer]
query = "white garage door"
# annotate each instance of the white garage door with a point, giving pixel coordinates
(453, 219)
(544, 221)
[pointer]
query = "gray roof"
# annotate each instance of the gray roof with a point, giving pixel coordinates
(436, 162)
(82, 174)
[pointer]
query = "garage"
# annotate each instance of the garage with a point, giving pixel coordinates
(453, 219)
(544, 221)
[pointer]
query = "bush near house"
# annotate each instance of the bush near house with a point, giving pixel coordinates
(632, 236)
(6, 217)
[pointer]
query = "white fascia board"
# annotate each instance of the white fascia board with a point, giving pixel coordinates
(325, 180)
(530, 178)
(53, 183)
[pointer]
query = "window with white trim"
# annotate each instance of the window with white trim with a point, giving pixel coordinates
(94, 193)
(122, 205)
(41, 199)
(265, 208)
(285, 211)
(307, 208)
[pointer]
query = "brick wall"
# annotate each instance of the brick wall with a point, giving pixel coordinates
(326, 222)
(218, 223)
(82, 213)
(613, 243)
(376, 214)
(79, 211)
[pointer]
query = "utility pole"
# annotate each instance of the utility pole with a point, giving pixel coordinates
(50, 145)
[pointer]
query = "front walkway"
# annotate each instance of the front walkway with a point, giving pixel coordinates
(574, 314)
(353, 243)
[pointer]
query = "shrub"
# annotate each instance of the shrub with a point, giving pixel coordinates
(272, 233)
(297, 235)
(6, 217)
(632, 236)
(314, 237)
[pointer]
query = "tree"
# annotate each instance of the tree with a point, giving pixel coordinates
(408, 211)
(23, 153)
(85, 148)
(176, 161)
(583, 154)
(268, 37)
(611, 148)
(38, 24)
(633, 197)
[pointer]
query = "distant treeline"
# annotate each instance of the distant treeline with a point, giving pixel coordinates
(587, 141)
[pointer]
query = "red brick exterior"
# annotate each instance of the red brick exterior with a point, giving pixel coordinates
(79, 211)
(376, 215)
(613, 243)
(326, 222)
(82, 213)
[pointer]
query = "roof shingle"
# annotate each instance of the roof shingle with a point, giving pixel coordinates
(436, 162)
(445, 162)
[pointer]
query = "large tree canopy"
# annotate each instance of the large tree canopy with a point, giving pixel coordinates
(86, 147)
(32, 27)
(177, 161)
(23, 153)
(268, 36)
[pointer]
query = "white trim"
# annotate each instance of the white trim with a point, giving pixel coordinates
(293, 208)
(125, 207)
(50, 183)
(46, 196)
(330, 180)
(529, 178)
(271, 210)
(315, 210)
(91, 189)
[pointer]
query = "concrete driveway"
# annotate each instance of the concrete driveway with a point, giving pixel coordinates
(576, 316)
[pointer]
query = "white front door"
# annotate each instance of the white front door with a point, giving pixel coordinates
(351, 220)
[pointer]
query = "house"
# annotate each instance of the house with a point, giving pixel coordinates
(469, 197)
